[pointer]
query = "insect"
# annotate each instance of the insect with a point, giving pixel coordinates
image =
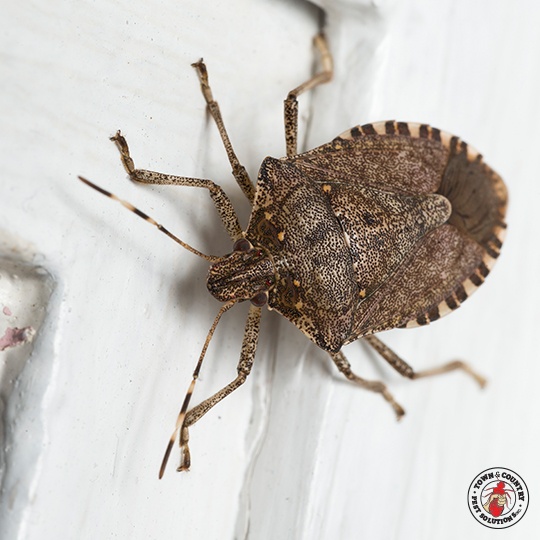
(389, 225)
(497, 499)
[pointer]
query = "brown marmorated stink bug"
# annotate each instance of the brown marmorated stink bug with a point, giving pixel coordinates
(389, 225)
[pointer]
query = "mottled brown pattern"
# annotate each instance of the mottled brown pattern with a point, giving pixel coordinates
(325, 290)
(392, 163)
(439, 262)
(382, 227)
(240, 275)
(266, 230)
(379, 229)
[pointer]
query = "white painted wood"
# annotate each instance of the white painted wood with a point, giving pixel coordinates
(297, 452)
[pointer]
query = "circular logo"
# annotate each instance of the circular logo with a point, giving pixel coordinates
(498, 498)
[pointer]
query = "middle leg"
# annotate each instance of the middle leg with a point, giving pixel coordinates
(247, 355)
(219, 197)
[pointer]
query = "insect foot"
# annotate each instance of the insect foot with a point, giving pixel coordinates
(374, 386)
(389, 225)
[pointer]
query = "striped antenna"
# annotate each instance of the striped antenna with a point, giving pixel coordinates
(184, 463)
(136, 211)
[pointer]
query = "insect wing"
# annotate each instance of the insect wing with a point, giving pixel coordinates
(446, 265)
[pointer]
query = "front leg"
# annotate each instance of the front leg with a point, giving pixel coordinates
(238, 170)
(247, 355)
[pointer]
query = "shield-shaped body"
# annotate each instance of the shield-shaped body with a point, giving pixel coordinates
(388, 225)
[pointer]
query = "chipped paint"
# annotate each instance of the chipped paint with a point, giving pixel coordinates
(13, 337)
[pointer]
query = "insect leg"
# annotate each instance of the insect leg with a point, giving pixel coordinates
(407, 371)
(152, 221)
(291, 102)
(219, 197)
(238, 170)
(249, 346)
(375, 386)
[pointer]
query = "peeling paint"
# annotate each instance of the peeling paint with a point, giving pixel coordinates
(13, 337)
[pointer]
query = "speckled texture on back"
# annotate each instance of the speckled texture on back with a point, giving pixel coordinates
(388, 225)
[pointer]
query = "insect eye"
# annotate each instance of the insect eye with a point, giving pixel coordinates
(259, 300)
(242, 245)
